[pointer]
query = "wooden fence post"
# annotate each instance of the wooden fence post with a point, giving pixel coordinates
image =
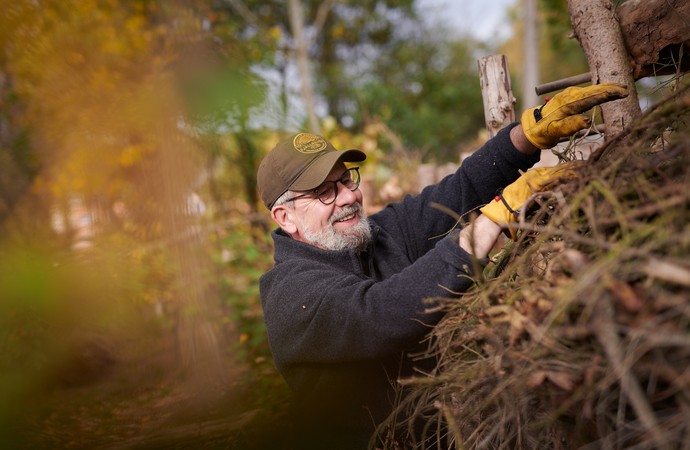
(497, 93)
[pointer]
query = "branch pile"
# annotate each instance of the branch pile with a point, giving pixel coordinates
(578, 336)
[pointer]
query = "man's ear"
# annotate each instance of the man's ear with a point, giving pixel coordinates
(283, 216)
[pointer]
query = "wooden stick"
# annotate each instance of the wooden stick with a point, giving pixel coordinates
(563, 83)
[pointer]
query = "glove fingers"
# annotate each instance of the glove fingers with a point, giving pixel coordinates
(501, 209)
(542, 178)
(568, 126)
(576, 100)
(562, 173)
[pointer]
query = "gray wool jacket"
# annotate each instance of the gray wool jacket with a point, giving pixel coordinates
(342, 324)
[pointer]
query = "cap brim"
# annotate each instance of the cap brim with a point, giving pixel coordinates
(318, 171)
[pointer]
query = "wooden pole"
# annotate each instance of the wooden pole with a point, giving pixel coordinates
(497, 93)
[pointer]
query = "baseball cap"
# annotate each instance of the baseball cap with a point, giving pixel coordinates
(299, 163)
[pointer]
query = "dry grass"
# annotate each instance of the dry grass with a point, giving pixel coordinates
(578, 334)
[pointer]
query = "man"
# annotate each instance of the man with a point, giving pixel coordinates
(345, 303)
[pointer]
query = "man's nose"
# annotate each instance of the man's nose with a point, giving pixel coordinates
(345, 195)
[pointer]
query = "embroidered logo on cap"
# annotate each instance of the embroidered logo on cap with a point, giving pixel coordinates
(309, 143)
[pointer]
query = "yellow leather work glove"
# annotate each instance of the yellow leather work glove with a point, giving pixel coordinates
(504, 209)
(562, 115)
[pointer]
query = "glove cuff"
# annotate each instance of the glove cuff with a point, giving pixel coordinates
(529, 120)
(499, 212)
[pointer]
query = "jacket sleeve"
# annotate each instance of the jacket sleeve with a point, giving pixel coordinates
(480, 176)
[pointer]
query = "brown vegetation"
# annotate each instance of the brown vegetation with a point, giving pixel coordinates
(578, 334)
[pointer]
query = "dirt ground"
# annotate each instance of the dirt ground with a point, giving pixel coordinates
(100, 401)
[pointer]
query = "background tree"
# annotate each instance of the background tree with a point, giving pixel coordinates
(428, 94)
(114, 167)
(355, 51)
(560, 55)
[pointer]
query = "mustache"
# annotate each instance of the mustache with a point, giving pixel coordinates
(355, 208)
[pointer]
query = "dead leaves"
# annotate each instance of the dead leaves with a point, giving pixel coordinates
(562, 379)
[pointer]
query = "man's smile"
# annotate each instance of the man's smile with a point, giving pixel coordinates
(346, 218)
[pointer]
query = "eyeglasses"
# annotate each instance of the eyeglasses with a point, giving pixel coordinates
(328, 191)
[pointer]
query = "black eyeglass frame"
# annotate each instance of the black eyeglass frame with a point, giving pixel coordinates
(355, 180)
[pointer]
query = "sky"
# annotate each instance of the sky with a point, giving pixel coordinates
(483, 19)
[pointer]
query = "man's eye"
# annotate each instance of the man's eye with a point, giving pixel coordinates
(324, 191)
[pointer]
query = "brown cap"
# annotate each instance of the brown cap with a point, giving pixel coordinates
(299, 163)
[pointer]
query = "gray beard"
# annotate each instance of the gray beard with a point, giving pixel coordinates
(329, 238)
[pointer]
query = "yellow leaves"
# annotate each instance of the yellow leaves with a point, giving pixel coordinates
(57, 190)
(103, 80)
(77, 66)
(130, 155)
(70, 177)
(338, 31)
(275, 33)
(39, 185)
(135, 24)
(125, 40)
(110, 43)
(74, 58)
(96, 96)
(87, 7)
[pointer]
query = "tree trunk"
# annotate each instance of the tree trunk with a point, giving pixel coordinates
(247, 160)
(599, 33)
(530, 71)
(197, 330)
(297, 25)
(657, 35)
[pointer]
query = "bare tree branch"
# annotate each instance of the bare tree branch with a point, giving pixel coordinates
(241, 9)
(322, 15)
